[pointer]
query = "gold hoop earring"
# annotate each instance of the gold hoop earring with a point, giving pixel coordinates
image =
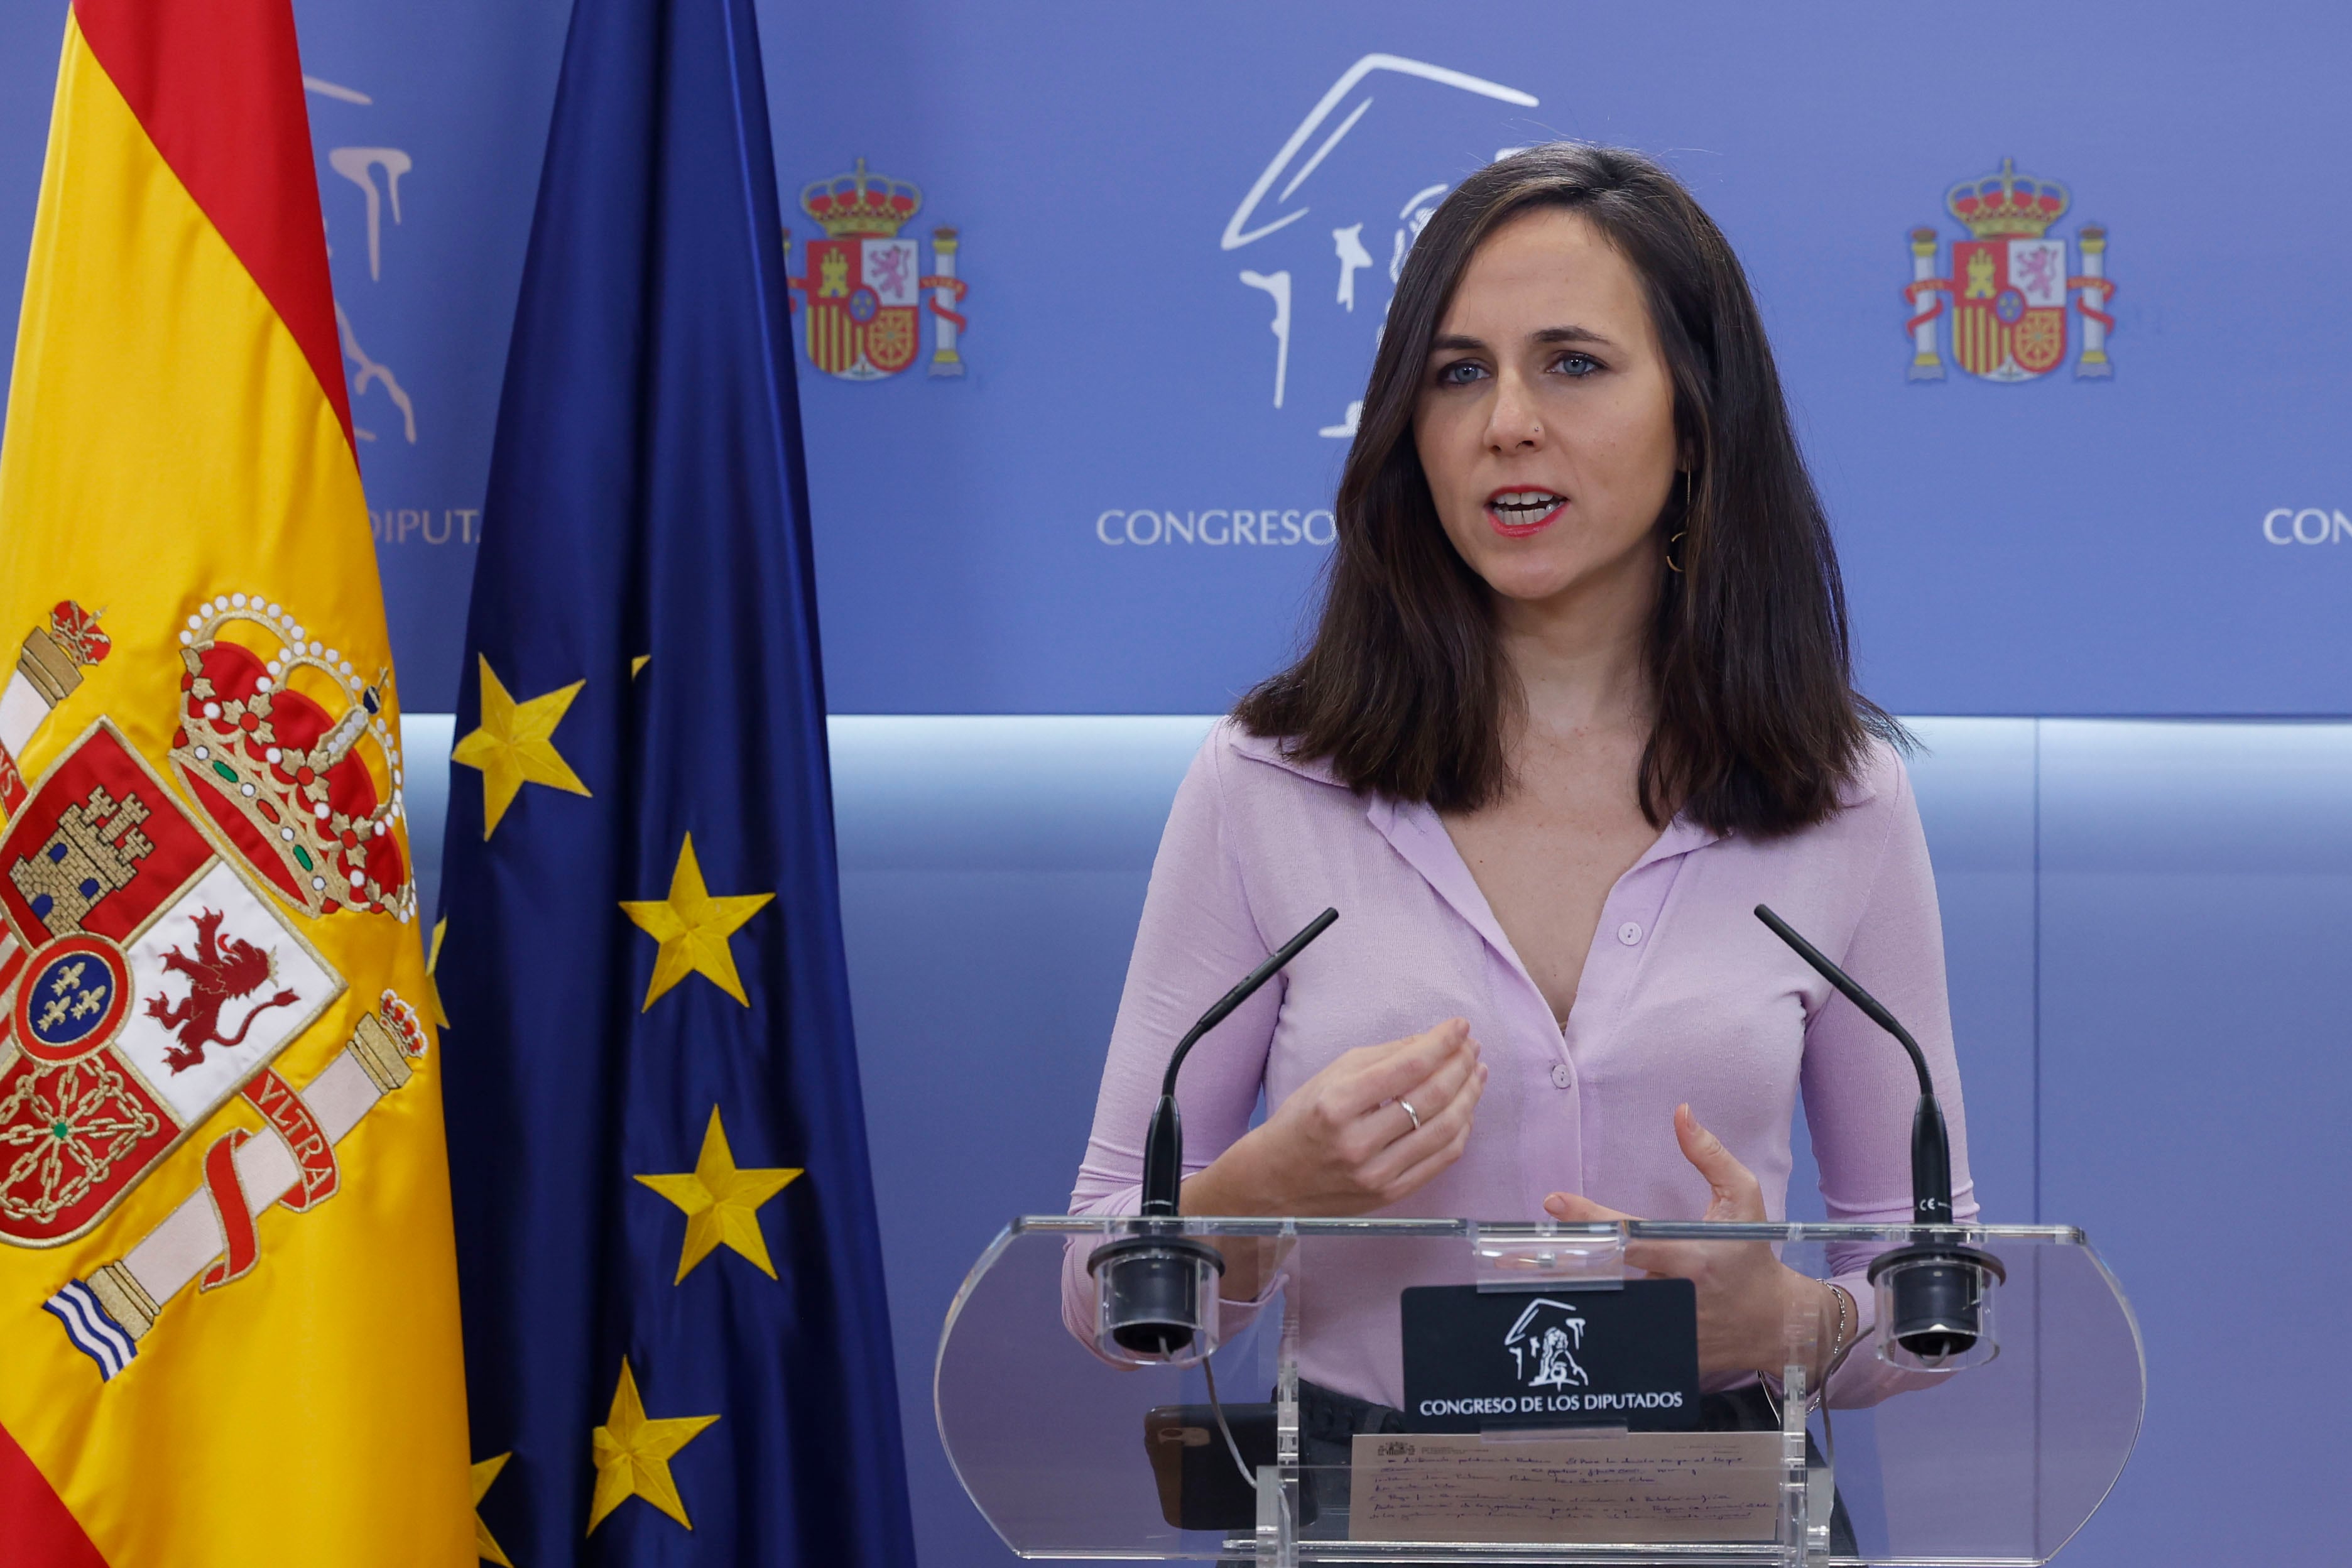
(1671, 565)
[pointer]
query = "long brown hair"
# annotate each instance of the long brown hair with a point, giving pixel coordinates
(1405, 689)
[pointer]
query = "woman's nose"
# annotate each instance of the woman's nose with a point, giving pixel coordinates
(1513, 424)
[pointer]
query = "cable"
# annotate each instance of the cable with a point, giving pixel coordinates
(1217, 1408)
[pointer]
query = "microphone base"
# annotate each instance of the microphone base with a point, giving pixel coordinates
(1156, 1299)
(1936, 1306)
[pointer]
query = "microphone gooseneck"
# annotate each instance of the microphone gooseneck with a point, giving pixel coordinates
(1155, 1286)
(1934, 1293)
(1870, 1006)
(1931, 1146)
(1163, 1141)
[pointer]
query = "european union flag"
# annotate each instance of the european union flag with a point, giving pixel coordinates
(676, 1338)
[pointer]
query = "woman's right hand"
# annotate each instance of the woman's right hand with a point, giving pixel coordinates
(1343, 1143)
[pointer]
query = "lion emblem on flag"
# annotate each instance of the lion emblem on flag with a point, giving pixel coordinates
(222, 970)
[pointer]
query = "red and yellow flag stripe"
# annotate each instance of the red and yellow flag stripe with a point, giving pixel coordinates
(177, 428)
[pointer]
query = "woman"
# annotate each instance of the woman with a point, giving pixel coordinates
(1579, 699)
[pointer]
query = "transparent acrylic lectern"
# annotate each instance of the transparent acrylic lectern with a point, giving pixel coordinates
(1993, 1449)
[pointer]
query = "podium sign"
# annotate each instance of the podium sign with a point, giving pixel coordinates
(1998, 1461)
(1480, 1360)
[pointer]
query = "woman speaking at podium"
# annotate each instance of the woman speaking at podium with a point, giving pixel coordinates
(1580, 698)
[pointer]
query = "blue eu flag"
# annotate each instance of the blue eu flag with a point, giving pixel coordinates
(676, 1344)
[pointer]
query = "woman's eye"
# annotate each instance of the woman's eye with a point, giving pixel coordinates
(1461, 372)
(1577, 364)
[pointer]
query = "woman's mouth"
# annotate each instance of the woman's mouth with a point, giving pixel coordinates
(1518, 513)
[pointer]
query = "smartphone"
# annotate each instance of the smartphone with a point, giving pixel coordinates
(1200, 1486)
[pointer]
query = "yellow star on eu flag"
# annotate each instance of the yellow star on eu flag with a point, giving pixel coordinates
(722, 1202)
(633, 1453)
(515, 746)
(486, 1546)
(693, 928)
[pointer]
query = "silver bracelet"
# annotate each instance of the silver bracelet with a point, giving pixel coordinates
(1849, 1317)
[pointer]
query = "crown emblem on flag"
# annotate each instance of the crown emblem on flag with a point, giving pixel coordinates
(2007, 205)
(860, 205)
(274, 742)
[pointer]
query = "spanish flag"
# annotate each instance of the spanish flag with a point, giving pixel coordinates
(226, 1284)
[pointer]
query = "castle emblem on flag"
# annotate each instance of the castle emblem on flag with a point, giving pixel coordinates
(2008, 284)
(865, 284)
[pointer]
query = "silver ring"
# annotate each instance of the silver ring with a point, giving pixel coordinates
(1409, 1111)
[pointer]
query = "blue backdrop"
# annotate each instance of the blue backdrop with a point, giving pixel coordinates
(2144, 920)
(1177, 226)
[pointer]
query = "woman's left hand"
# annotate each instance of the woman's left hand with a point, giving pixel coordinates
(1745, 1294)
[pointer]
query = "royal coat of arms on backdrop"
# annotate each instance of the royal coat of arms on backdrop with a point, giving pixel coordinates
(865, 285)
(2008, 284)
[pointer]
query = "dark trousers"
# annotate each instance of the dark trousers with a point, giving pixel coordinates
(1328, 1421)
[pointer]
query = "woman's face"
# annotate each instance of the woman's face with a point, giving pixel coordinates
(1545, 419)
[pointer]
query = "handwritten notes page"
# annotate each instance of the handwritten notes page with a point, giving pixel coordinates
(1647, 1486)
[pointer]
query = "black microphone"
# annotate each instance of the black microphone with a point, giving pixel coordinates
(1931, 1147)
(1163, 1143)
(1937, 1289)
(1152, 1283)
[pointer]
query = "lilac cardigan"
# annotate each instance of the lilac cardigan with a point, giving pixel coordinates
(1685, 996)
